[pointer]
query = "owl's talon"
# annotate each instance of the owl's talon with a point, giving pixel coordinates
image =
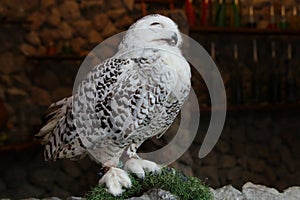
(115, 179)
(139, 166)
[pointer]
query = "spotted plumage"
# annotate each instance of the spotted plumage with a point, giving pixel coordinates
(123, 101)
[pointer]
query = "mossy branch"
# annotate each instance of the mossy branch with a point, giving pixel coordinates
(186, 188)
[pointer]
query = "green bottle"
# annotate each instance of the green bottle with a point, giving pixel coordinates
(221, 18)
(236, 13)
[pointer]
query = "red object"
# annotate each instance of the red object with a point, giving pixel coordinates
(205, 12)
(190, 12)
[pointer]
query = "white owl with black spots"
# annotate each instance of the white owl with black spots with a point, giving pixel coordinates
(123, 101)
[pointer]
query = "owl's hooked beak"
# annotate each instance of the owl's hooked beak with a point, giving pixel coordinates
(172, 41)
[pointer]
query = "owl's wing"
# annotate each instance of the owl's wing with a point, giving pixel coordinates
(61, 132)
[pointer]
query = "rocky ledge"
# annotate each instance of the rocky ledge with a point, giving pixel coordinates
(249, 191)
(252, 191)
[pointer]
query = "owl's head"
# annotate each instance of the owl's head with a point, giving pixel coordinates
(152, 31)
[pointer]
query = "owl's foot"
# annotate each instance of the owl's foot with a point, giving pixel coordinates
(115, 179)
(138, 167)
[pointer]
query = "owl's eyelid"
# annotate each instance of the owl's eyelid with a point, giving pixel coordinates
(156, 24)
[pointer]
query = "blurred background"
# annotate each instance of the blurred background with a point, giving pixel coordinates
(255, 45)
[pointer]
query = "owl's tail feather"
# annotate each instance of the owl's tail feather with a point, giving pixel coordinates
(56, 111)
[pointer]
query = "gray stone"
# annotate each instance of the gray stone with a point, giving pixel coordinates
(253, 191)
(75, 198)
(51, 198)
(292, 193)
(228, 193)
(157, 194)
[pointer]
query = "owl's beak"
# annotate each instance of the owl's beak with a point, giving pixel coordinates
(173, 40)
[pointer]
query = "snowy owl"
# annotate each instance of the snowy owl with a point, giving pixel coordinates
(123, 101)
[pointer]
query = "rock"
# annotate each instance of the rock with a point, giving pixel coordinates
(109, 30)
(287, 158)
(46, 79)
(66, 31)
(27, 49)
(10, 63)
(77, 44)
(16, 93)
(209, 173)
(69, 11)
(37, 19)
(33, 38)
(40, 97)
(28, 190)
(14, 177)
(252, 191)
(47, 3)
(256, 165)
(157, 194)
(61, 92)
(116, 14)
(2, 186)
(100, 21)
(129, 4)
(49, 35)
(71, 169)
(115, 4)
(21, 81)
(75, 198)
(95, 37)
(43, 177)
(223, 146)
(227, 161)
(227, 193)
(292, 193)
(54, 17)
(83, 27)
(51, 198)
(124, 22)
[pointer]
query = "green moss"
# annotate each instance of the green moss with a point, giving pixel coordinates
(169, 179)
